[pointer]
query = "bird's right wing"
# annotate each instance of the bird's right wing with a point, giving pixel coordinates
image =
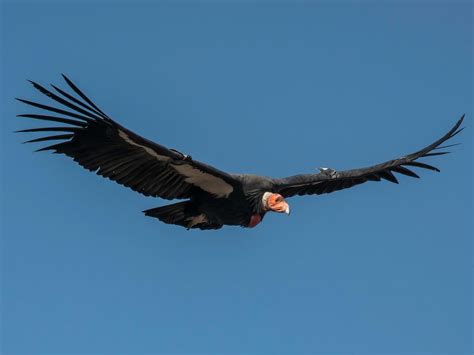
(100, 144)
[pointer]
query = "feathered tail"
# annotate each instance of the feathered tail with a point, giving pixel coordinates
(183, 214)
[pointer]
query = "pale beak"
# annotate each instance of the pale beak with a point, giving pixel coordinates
(287, 211)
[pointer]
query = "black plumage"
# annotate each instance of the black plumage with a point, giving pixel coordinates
(213, 198)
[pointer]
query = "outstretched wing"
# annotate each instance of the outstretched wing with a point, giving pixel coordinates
(329, 180)
(100, 144)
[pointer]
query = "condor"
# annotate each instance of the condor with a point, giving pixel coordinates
(212, 198)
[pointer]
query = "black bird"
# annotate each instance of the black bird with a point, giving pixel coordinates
(213, 198)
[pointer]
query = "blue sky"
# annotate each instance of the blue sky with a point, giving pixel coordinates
(374, 269)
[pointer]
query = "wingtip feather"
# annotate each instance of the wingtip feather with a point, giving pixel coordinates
(435, 153)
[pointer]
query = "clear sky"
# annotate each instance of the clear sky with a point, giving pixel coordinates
(269, 88)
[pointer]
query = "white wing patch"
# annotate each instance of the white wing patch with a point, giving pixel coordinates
(150, 151)
(201, 218)
(194, 176)
(204, 181)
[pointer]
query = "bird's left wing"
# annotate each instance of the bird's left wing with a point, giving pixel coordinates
(100, 144)
(329, 180)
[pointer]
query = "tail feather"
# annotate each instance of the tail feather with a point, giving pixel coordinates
(183, 214)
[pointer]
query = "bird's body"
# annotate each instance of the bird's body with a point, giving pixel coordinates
(212, 198)
(243, 207)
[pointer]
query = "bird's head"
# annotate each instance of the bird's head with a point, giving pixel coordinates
(275, 202)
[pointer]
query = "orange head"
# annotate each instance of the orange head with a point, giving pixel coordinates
(276, 203)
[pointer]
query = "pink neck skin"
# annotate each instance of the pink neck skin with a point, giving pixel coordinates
(254, 220)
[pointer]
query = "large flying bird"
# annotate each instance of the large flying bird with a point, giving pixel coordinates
(213, 198)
